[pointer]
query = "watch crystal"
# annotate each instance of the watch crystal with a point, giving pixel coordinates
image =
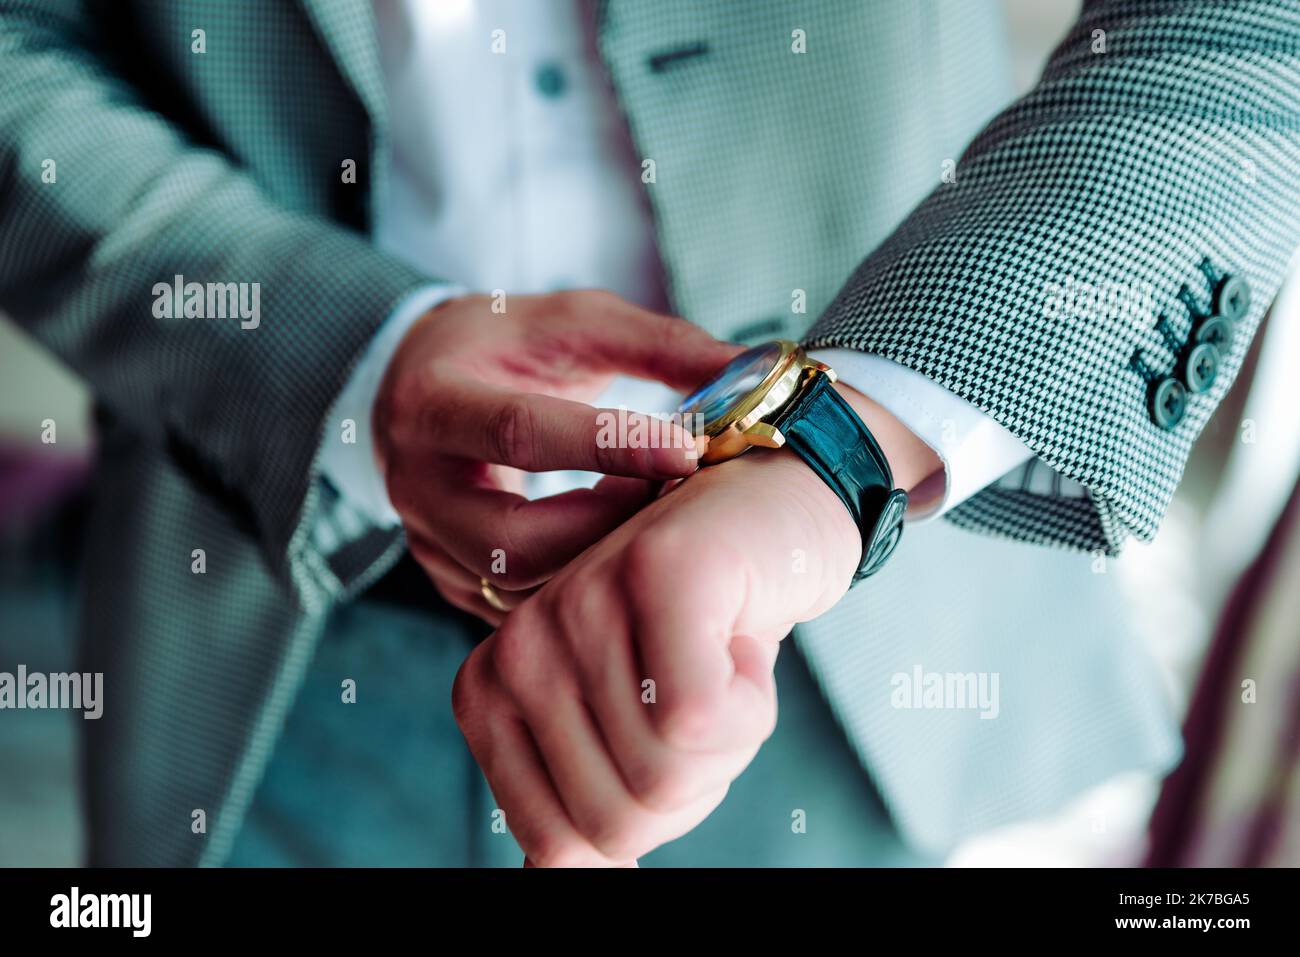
(738, 378)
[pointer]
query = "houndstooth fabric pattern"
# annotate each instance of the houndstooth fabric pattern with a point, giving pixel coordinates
(775, 173)
(222, 166)
(1181, 142)
(1120, 169)
(137, 202)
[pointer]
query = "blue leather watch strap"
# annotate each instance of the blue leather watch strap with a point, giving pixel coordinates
(822, 429)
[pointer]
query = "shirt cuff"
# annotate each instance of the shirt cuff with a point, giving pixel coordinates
(975, 450)
(350, 466)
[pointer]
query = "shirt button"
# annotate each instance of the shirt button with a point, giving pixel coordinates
(1232, 298)
(1168, 402)
(550, 80)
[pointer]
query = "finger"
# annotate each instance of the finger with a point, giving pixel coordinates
(506, 753)
(421, 489)
(519, 544)
(618, 335)
(590, 787)
(630, 493)
(754, 680)
(459, 587)
(658, 777)
(443, 568)
(523, 790)
(473, 603)
(440, 566)
(541, 433)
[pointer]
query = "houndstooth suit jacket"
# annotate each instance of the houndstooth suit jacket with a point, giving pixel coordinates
(776, 171)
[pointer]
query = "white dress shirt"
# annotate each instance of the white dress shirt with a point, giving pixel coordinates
(511, 169)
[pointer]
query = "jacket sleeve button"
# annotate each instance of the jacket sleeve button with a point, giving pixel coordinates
(1168, 402)
(1217, 331)
(1201, 367)
(1232, 298)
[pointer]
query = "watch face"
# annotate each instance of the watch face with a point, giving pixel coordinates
(741, 376)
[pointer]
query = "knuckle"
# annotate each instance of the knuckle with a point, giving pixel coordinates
(420, 550)
(510, 432)
(605, 457)
(509, 655)
(619, 837)
(678, 333)
(523, 569)
(602, 298)
(398, 395)
(579, 606)
(567, 303)
(686, 721)
(400, 492)
(659, 786)
(549, 849)
(650, 554)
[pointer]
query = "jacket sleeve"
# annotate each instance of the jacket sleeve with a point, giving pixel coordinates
(101, 199)
(1158, 153)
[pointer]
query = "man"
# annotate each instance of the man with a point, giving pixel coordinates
(240, 568)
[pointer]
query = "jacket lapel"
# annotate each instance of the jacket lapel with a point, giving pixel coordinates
(347, 29)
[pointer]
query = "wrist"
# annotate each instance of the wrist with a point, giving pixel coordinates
(910, 460)
(794, 498)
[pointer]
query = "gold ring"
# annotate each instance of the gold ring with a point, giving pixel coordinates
(491, 596)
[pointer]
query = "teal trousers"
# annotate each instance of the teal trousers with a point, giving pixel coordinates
(388, 780)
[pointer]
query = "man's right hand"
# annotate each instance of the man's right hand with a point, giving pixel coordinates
(472, 399)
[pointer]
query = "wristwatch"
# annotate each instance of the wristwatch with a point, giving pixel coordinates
(774, 396)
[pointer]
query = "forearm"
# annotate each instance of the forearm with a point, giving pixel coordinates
(1123, 170)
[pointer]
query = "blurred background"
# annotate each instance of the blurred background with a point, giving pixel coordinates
(1216, 612)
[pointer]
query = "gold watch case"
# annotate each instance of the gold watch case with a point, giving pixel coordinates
(750, 421)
